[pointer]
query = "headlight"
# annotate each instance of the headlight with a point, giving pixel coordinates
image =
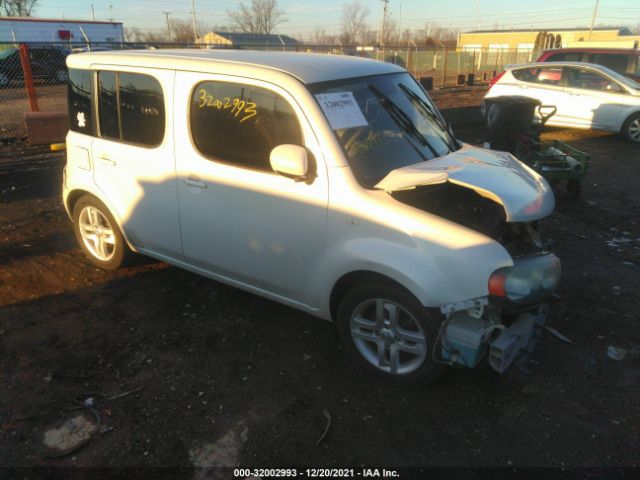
(529, 278)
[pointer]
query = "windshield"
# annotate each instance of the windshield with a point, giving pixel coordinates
(6, 53)
(383, 122)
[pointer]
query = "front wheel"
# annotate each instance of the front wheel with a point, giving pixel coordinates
(631, 128)
(98, 234)
(388, 331)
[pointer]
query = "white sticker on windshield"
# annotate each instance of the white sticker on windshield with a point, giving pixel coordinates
(341, 110)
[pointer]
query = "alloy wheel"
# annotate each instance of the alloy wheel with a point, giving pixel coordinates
(97, 233)
(388, 336)
(633, 130)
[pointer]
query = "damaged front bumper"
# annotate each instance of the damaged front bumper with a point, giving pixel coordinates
(506, 338)
(506, 325)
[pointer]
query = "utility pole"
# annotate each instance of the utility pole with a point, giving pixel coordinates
(111, 13)
(385, 13)
(477, 13)
(166, 14)
(593, 18)
(93, 13)
(193, 16)
(400, 24)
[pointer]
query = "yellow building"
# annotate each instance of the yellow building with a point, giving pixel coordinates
(529, 40)
(236, 39)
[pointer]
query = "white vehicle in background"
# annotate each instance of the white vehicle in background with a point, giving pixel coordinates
(331, 184)
(585, 95)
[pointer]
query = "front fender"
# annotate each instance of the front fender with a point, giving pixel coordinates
(434, 273)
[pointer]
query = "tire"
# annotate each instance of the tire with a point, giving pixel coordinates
(631, 128)
(491, 115)
(4, 80)
(91, 217)
(387, 331)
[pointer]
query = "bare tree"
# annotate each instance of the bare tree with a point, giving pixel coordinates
(354, 21)
(135, 34)
(18, 8)
(261, 16)
(182, 30)
(433, 34)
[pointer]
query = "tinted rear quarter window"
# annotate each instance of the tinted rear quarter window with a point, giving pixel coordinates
(241, 124)
(79, 98)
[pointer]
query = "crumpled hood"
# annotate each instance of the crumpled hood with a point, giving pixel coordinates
(499, 176)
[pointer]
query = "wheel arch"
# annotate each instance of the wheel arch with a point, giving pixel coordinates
(628, 118)
(71, 199)
(354, 278)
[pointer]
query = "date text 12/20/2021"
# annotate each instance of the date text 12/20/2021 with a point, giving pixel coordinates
(245, 473)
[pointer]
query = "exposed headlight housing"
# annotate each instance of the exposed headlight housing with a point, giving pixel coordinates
(528, 279)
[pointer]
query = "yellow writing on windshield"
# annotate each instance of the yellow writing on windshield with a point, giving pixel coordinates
(240, 109)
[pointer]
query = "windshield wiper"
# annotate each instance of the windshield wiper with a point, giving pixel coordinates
(426, 109)
(403, 120)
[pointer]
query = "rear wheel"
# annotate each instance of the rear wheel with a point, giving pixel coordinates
(98, 234)
(387, 331)
(631, 128)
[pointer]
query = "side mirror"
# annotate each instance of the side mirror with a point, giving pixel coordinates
(290, 161)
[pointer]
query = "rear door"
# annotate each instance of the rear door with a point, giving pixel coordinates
(544, 84)
(133, 155)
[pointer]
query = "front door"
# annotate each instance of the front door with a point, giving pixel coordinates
(241, 221)
(593, 100)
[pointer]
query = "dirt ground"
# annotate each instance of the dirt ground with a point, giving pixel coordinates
(222, 377)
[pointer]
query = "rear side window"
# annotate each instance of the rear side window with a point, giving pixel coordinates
(108, 105)
(141, 109)
(616, 62)
(79, 98)
(131, 108)
(564, 57)
(241, 124)
(546, 76)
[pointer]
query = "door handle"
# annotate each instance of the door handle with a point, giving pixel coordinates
(194, 181)
(106, 159)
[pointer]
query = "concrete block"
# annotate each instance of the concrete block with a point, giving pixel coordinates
(46, 127)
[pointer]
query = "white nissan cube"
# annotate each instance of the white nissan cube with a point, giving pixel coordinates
(330, 184)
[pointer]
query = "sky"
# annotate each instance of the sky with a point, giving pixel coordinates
(305, 16)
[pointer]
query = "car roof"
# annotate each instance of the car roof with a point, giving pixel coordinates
(607, 71)
(307, 67)
(595, 66)
(629, 51)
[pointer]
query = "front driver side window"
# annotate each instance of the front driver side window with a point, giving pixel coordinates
(589, 80)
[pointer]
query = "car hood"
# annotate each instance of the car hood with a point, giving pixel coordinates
(499, 176)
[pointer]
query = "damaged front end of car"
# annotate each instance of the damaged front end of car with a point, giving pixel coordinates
(494, 194)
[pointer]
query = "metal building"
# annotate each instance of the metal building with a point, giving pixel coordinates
(53, 30)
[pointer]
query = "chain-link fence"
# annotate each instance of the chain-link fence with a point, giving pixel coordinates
(33, 77)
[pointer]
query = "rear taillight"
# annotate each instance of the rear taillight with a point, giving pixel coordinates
(495, 79)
